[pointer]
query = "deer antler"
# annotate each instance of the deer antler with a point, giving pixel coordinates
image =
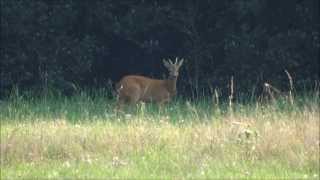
(169, 62)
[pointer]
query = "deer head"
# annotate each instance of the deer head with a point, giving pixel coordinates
(173, 68)
(133, 88)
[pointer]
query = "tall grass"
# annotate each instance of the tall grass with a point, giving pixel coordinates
(83, 137)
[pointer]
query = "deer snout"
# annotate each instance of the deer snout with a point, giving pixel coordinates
(174, 74)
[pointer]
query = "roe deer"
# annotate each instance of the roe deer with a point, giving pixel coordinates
(134, 88)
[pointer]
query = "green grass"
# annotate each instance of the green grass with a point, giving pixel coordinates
(147, 168)
(83, 137)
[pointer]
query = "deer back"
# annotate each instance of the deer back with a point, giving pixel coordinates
(139, 88)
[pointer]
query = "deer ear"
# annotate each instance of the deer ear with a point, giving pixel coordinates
(180, 63)
(166, 64)
(170, 62)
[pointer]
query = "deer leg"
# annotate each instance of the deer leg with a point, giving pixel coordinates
(120, 104)
(134, 96)
(162, 103)
(133, 100)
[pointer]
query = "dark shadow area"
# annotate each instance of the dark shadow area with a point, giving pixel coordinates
(70, 45)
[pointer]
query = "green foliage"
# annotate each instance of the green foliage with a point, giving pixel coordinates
(58, 44)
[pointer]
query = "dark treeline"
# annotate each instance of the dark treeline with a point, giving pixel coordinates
(65, 45)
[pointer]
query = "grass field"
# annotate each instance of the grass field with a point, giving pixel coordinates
(82, 137)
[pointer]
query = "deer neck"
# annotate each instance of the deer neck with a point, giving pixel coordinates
(172, 84)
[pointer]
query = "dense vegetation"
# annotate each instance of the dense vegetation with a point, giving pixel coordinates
(82, 137)
(248, 91)
(67, 45)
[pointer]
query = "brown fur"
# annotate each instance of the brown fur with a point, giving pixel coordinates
(132, 88)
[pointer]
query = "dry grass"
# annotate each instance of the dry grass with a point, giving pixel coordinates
(293, 141)
(185, 140)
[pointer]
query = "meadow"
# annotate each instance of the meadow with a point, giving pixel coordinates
(83, 137)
